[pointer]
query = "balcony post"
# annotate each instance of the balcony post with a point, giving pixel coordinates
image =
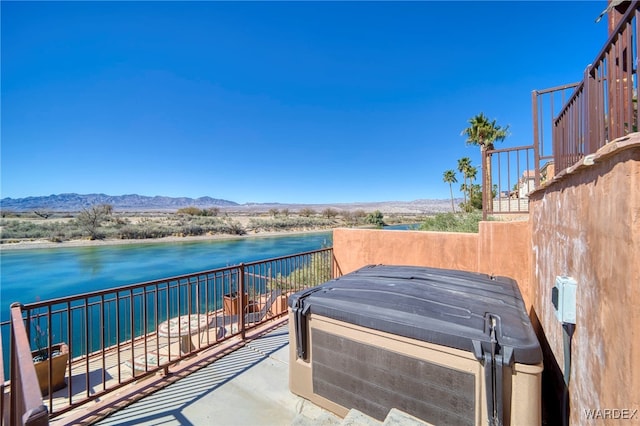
(241, 308)
(536, 137)
(26, 405)
(486, 185)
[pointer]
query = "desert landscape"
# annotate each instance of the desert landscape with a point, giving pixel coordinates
(24, 227)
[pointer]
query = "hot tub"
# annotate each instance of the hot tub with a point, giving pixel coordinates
(446, 346)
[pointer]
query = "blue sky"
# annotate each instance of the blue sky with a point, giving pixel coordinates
(292, 102)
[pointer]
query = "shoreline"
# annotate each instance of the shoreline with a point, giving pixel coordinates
(45, 244)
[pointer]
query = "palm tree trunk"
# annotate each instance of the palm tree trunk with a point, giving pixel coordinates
(486, 177)
(451, 191)
(466, 188)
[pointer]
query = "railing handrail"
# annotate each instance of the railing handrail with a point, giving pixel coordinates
(577, 92)
(626, 18)
(27, 406)
(557, 88)
(126, 287)
(515, 148)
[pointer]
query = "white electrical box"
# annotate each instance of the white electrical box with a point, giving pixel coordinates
(563, 297)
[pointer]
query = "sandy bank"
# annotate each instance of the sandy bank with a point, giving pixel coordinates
(45, 244)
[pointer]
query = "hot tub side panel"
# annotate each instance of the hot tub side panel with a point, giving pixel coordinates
(349, 366)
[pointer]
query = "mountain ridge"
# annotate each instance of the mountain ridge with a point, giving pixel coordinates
(73, 202)
(128, 202)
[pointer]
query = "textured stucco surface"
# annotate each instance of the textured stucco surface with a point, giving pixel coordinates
(504, 248)
(586, 224)
(354, 248)
(500, 248)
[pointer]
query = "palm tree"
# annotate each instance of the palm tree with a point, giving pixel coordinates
(449, 177)
(472, 173)
(463, 167)
(484, 133)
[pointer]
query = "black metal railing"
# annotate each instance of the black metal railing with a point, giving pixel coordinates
(115, 336)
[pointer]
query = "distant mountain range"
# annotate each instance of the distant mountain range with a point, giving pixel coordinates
(141, 203)
(130, 202)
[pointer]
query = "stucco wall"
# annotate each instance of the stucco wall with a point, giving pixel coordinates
(500, 248)
(586, 224)
(354, 248)
(504, 248)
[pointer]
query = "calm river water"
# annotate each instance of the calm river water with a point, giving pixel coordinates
(42, 274)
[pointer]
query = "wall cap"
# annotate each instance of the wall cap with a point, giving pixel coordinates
(616, 146)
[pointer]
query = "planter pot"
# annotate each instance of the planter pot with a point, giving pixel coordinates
(231, 303)
(59, 363)
(279, 306)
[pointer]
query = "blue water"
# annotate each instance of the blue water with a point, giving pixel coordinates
(42, 274)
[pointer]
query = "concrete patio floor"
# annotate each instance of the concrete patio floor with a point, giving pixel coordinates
(246, 387)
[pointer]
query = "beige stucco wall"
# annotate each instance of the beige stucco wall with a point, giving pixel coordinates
(586, 224)
(504, 248)
(500, 248)
(354, 248)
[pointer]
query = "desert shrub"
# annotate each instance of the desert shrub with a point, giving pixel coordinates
(317, 270)
(376, 218)
(192, 230)
(329, 213)
(236, 229)
(306, 212)
(359, 214)
(348, 218)
(194, 211)
(449, 222)
(191, 211)
(145, 230)
(20, 229)
(202, 225)
(289, 223)
(92, 218)
(212, 211)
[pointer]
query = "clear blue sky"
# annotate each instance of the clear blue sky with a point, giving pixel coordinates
(293, 102)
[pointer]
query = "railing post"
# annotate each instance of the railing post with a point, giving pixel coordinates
(536, 137)
(590, 113)
(26, 405)
(2, 407)
(241, 308)
(485, 182)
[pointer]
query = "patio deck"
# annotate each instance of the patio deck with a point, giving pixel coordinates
(234, 384)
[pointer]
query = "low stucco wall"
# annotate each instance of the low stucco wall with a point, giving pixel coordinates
(500, 248)
(504, 248)
(354, 248)
(586, 224)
